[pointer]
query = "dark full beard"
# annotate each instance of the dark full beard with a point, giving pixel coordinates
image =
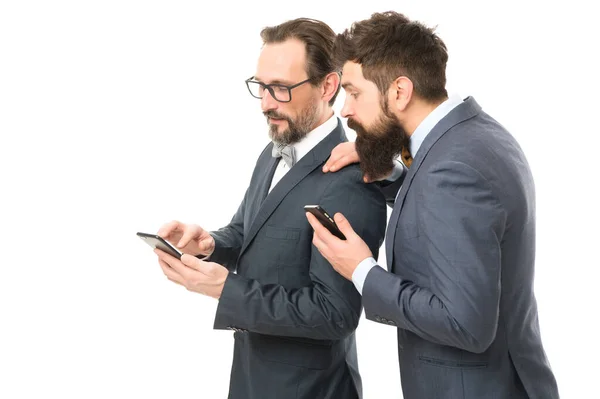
(379, 146)
(297, 129)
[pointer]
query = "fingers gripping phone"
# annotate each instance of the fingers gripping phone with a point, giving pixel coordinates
(325, 220)
(156, 241)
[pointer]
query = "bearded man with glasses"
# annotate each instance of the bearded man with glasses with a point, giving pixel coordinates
(292, 315)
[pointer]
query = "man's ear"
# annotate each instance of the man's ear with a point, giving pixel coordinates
(331, 83)
(401, 92)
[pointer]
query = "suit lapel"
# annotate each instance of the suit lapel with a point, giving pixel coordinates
(315, 158)
(263, 189)
(466, 110)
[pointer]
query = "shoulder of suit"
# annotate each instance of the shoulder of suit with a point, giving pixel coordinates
(475, 137)
(350, 174)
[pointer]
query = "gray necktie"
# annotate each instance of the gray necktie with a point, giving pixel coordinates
(286, 152)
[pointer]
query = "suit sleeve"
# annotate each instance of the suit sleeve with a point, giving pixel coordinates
(329, 308)
(229, 239)
(462, 223)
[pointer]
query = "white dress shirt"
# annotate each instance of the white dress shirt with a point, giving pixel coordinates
(416, 139)
(304, 146)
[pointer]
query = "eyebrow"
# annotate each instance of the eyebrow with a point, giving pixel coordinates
(274, 82)
(347, 86)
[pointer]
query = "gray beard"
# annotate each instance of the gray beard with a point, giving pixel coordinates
(297, 129)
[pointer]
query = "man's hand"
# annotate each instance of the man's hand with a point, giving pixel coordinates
(344, 256)
(206, 278)
(189, 238)
(342, 155)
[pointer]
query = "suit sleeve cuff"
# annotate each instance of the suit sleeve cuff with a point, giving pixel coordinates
(360, 273)
(230, 310)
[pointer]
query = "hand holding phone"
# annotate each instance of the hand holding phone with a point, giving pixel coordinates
(156, 241)
(326, 220)
(189, 238)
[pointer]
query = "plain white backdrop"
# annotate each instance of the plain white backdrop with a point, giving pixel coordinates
(118, 116)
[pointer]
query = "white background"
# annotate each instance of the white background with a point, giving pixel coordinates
(117, 116)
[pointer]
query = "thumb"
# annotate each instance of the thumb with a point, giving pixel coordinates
(185, 239)
(205, 244)
(343, 224)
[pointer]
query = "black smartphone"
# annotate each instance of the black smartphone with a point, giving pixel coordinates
(325, 220)
(156, 241)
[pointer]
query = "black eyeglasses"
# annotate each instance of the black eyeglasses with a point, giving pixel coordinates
(279, 92)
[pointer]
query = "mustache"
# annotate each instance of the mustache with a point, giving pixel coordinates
(354, 125)
(273, 114)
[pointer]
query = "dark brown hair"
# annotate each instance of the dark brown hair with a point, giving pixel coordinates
(318, 39)
(389, 45)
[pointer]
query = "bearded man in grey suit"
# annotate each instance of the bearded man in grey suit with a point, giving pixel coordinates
(460, 241)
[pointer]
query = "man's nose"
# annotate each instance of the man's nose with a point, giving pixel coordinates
(267, 102)
(346, 110)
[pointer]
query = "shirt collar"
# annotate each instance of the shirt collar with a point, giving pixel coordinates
(417, 138)
(314, 137)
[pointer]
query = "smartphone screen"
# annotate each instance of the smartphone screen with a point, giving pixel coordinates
(156, 241)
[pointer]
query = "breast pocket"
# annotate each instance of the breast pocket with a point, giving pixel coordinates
(282, 233)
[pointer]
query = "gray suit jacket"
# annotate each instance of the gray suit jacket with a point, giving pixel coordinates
(460, 248)
(294, 316)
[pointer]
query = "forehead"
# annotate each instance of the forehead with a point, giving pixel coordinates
(283, 62)
(352, 74)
